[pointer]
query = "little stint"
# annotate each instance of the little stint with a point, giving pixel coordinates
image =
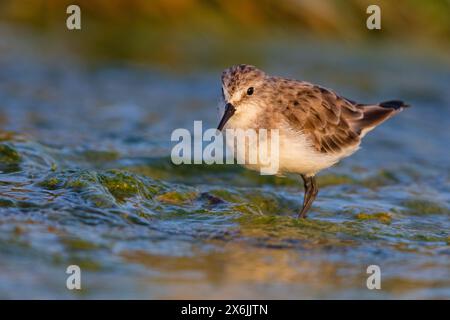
(317, 127)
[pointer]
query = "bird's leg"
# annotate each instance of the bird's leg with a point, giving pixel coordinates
(311, 191)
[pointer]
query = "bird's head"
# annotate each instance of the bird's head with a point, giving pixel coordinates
(240, 85)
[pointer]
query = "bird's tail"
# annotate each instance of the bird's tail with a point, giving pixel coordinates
(394, 104)
(375, 114)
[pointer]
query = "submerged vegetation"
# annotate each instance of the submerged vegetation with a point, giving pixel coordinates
(85, 176)
(109, 219)
(8, 155)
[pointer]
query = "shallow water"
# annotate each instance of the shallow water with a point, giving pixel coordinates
(85, 179)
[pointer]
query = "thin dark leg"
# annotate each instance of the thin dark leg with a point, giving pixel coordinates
(311, 191)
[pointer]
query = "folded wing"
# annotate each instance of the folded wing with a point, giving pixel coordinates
(334, 123)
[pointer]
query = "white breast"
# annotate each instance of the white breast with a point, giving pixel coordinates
(295, 152)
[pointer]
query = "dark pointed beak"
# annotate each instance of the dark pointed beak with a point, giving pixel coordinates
(229, 111)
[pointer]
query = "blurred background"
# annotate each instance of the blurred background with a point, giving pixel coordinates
(86, 178)
(188, 34)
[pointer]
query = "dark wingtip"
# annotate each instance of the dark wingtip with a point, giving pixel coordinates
(394, 104)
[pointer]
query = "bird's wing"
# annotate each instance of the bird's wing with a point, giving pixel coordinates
(324, 117)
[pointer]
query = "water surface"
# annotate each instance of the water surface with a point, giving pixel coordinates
(86, 179)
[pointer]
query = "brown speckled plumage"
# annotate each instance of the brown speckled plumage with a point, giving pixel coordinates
(331, 122)
(317, 126)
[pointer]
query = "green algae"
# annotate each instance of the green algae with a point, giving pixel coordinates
(334, 179)
(8, 155)
(51, 183)
(164, 169)
(253, 219)
(292, 228)
(78, 183)
(429, 238)
(254, 201)
(382, 217)
(98, 187)
(227, 195)
(6, 203)
(87, 264)
(380, 179)
(424, 207)
(54, 167)
(120, 184)
(237, 175)
(177, 197)
(222, 230)
(266, 202)
(78, 244)
(7, 136)
(96, 156)
(60, 180)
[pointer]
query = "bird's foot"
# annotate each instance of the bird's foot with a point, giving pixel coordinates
(302, 215)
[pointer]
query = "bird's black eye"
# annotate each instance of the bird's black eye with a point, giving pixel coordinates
(250, 91)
